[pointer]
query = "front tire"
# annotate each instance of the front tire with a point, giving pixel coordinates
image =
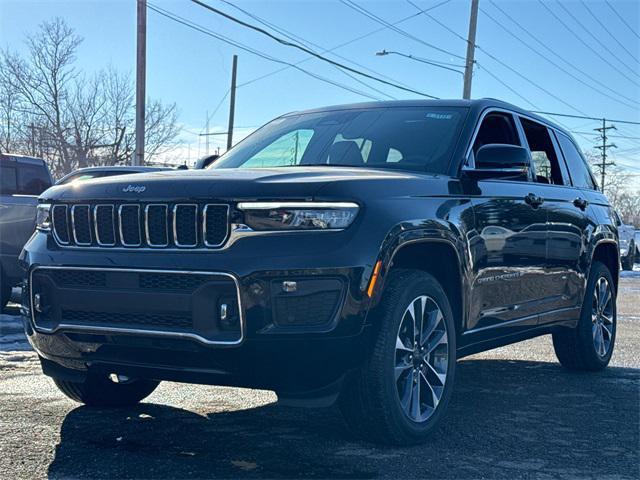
(589, 345)
(98, 390)
(401, 391)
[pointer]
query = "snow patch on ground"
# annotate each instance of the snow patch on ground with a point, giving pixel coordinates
(12, 338)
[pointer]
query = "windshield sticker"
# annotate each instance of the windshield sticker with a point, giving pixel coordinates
(440, 116)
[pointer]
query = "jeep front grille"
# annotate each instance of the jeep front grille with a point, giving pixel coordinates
(136, 225)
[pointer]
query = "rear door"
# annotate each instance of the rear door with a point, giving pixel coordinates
(567, 224)
(509, 250)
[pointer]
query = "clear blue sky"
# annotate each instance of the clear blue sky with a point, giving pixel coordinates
(193, 70)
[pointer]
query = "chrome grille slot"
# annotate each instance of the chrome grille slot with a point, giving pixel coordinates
(185, 225)
(156, 225)
(60, 219)
(129, 219)
(103, 222)
(81, 224)
(215, 224)
(141, 225)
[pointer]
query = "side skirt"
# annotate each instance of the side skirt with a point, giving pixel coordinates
(501, 341)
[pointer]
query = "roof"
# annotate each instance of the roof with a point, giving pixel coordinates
(21, 158)
(476, 104)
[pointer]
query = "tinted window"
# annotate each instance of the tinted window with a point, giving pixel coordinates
(546, 168)
(578, 169)
(409, 138)
(32, 179)
(496, 128)
(8, 181)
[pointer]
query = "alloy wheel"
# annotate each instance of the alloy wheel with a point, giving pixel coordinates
(602, 324)
(421, 358)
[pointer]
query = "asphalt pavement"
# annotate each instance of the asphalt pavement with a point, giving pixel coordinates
(515, 413)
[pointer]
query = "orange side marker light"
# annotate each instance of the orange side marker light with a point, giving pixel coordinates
(374, 278)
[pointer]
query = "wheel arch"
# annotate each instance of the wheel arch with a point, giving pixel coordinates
(435, 256)
(606, 251)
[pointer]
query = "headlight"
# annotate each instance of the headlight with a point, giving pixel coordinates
(298, 216)
(43, 217)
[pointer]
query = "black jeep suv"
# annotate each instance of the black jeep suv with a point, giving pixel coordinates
(350, 253)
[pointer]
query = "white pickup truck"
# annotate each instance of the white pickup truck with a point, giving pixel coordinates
(628, 244)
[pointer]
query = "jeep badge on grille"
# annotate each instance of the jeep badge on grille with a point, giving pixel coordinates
(134, 188)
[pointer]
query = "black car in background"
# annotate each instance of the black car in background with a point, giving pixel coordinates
(22, 180)
(348, 253)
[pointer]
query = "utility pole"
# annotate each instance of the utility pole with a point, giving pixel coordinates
(141, 68)
(603, 148)
(232, 104)
(471, 49)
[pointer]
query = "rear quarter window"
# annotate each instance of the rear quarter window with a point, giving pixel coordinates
(579, 171)
(33, 179)
(8, 180)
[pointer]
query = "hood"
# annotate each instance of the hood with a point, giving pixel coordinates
(227, 184)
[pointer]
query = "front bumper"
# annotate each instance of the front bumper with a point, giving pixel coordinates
(266, 350)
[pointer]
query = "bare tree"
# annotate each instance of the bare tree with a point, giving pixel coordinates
(73, 119)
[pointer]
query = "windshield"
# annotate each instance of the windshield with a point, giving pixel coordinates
(409, 138)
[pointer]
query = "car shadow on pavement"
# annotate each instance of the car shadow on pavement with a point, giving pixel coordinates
(507, 419)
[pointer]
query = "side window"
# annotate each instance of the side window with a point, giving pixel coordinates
(284, 152)
(500, 128)
(578, 169)
(546, 167)
(32, 179)
(497, 128)
(8, 181)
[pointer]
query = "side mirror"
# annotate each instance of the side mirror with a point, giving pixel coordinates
(496, 160)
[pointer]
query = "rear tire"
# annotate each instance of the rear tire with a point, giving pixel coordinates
(628, 261)
(590, 344)
(101, 391)
(401, 391)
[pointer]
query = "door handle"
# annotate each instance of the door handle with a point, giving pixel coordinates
(534, 200)
(581, 203)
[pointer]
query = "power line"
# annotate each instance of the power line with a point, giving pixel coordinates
(466, 41)
(215, 110)
(604, 27)
(583, 42)
(349, 42)
(298, 37)
(504, 84)
(446, 27)
(621, 18)
(363, 11)
(611, 136)
(528, 80)
(496, 59)
(553, 114)
(294, 37)
(433, 63)
(553, 52)
(306, 50)
(253, 51)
